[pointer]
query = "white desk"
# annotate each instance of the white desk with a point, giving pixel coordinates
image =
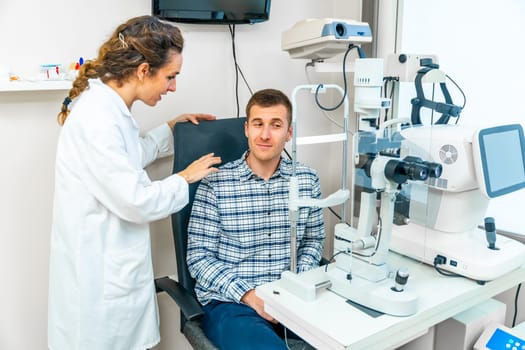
(330, 322)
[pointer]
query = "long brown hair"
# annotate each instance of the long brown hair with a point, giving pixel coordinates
(140, 39)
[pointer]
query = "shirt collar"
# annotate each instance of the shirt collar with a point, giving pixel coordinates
(284, 169)
(112, 94)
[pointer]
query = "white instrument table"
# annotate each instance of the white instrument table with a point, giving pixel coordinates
(329, 322)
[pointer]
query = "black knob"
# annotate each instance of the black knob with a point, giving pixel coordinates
(401, 280)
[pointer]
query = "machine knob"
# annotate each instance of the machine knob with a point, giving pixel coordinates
(401, 280)
(490, 232)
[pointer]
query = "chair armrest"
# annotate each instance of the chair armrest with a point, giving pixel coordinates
(190, 307)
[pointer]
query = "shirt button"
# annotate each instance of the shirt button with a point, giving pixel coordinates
(269, 255)
(269, 234)
(269, 273)
(269, 213)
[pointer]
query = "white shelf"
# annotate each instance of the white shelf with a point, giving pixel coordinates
(43, 85)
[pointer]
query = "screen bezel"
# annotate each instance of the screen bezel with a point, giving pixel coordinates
(187, 18)
(484, 171)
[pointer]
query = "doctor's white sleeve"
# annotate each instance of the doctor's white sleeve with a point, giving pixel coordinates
(123, 187)
(157, 143)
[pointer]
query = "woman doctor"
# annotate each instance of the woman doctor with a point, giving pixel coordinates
(101, 288)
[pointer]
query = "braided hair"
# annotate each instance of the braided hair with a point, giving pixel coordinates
(144, 39)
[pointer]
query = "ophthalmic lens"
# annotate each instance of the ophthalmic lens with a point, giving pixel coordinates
(340, 30)
(400, 171)
(416, 171)
(434, 169)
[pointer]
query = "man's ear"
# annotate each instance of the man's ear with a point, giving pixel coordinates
(289, 134)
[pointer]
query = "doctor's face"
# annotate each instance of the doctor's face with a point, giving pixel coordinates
(153, 87)
(267, 130)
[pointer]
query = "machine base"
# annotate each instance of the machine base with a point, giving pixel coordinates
(305, 285)
(466, 254)
(379, 296)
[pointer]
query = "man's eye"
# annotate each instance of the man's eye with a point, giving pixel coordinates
(171, 77)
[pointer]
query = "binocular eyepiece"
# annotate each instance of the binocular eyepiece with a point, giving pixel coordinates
(411, 168)
(402, 170)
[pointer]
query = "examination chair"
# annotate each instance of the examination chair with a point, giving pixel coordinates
(224, 137)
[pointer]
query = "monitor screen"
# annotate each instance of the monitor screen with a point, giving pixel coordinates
(212, 11)
(501, 162)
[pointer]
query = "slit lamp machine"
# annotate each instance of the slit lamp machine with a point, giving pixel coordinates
(424, 189)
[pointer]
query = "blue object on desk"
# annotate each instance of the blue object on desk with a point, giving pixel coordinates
(503, 340)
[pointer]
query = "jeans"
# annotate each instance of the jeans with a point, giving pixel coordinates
(232, 326)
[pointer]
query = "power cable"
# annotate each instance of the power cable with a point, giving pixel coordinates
(238, 70)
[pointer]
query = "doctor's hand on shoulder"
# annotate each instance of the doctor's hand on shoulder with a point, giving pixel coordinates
(200, 168)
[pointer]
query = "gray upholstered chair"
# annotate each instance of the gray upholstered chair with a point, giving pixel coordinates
(224, 137)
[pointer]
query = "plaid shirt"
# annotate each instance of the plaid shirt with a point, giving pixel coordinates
(239, 229)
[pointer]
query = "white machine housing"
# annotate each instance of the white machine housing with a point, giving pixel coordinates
(452, 202)
(445, 212)
(318, 39)
(405, 66)
(368, 82)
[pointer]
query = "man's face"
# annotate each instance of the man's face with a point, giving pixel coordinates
(267, 131)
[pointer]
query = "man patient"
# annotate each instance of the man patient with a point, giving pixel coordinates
(239, 230)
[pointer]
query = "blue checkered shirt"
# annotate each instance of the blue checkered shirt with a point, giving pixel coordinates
(239, 230)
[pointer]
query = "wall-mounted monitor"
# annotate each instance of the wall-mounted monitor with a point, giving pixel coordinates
(212, 11)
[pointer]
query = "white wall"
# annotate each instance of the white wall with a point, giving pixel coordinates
(60, 31)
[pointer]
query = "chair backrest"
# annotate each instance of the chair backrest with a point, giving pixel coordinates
(224, 137)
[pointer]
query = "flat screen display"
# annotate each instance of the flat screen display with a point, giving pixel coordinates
(502, 153)
(212, 11)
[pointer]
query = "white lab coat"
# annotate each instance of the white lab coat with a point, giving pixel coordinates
(101, 289)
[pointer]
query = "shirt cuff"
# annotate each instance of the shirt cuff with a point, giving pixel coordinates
(238, 289)
(179, 187)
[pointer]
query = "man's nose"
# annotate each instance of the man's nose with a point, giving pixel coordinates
(265, 132)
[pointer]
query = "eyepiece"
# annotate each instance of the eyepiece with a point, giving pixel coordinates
(400, 171)
(416, 171)
(340, 30)
(435, 169)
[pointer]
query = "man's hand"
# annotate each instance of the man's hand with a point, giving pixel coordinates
(193, 118)
(256, 303)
